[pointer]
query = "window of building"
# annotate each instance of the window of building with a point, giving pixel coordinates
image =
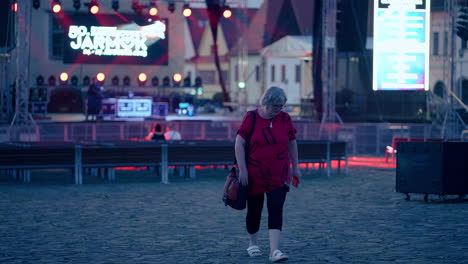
(445, 43)
(56, 40)
(208, 77)
(283, 73)
(435, 39)
(298, 73)
(236, 73)
(257, 73)
(272, 73)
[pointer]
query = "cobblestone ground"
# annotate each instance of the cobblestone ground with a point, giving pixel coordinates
(357, 218)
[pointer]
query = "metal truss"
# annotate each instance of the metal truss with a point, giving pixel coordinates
(453, 124)
(329, 9)
(21, 53)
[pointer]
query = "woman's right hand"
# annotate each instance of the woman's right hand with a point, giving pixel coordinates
(243, 176)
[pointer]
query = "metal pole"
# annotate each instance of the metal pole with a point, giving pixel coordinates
(78, 165)
(164, 165)
(452, 50)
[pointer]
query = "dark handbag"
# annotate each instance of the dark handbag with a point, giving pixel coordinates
(235, 194)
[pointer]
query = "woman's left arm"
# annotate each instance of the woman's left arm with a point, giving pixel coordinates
(293, 156)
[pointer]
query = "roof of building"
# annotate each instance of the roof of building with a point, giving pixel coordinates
(273, 21)
(290, 46)
(232, 27)
(288, 17)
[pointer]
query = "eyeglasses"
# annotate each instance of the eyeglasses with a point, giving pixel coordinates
(277, 106)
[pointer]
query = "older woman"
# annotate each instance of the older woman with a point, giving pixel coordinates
(266, 166)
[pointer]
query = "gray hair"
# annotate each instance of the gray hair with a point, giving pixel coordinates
(273, 96)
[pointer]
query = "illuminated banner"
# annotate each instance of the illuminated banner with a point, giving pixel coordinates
(107, 39)
(401, 45)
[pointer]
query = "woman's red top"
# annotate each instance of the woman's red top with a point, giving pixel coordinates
(268, 158)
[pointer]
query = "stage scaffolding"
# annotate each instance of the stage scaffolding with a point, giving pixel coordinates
(22, 55)
(452, 124)
(15, 85)
(329, 50)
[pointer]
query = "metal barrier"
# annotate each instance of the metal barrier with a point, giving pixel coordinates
(361, 138)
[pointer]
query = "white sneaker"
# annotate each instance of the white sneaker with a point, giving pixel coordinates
(278, 256)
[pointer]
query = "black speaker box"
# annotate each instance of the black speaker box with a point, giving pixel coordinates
(439, 167)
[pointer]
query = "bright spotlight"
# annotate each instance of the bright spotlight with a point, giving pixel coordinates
(227, 12)
(177, 77)
(56, 6)
(93, 7)
(142, 77)
(187, 11)
(153, 11)
(64, 77)
(101, 77)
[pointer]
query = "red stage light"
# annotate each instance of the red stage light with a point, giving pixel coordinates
(227, 13)
(177, 77)
(56, 8)
(142, 77)
(187, 11)
(14, 7)
(64, 76)
(153, 11)
(101, 77)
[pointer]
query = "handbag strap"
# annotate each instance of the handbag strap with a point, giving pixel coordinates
(247, 143)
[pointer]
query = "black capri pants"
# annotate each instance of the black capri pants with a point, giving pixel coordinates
(275, 202)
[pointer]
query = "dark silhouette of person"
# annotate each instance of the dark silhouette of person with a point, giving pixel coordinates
(156, 133)
(94, 101)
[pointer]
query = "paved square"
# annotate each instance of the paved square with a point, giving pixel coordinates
(357, 218)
